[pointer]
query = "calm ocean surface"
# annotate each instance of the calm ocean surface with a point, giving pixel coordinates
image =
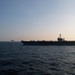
(17, 59)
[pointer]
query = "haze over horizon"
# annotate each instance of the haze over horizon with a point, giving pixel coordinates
(37, 19)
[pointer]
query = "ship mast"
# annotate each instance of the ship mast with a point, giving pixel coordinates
(59, 35)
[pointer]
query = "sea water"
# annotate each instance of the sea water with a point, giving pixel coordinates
(17, 59)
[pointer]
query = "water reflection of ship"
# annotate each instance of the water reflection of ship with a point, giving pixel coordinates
(60, 42)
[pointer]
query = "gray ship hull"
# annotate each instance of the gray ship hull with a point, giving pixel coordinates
(46, 43)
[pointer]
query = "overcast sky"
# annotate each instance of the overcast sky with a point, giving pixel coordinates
(37, 19)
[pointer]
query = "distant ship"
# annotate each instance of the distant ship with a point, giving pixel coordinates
(12, 40)
(60, 42)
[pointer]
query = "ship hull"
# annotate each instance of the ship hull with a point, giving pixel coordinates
(47, 43)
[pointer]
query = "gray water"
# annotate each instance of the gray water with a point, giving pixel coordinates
(17, 59)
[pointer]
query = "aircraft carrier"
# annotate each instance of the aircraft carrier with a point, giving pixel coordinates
(60, 42)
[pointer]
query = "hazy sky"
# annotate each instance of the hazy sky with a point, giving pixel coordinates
(37, 19)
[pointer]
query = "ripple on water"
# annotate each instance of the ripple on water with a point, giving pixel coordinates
(17, 59)
(9, 72)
